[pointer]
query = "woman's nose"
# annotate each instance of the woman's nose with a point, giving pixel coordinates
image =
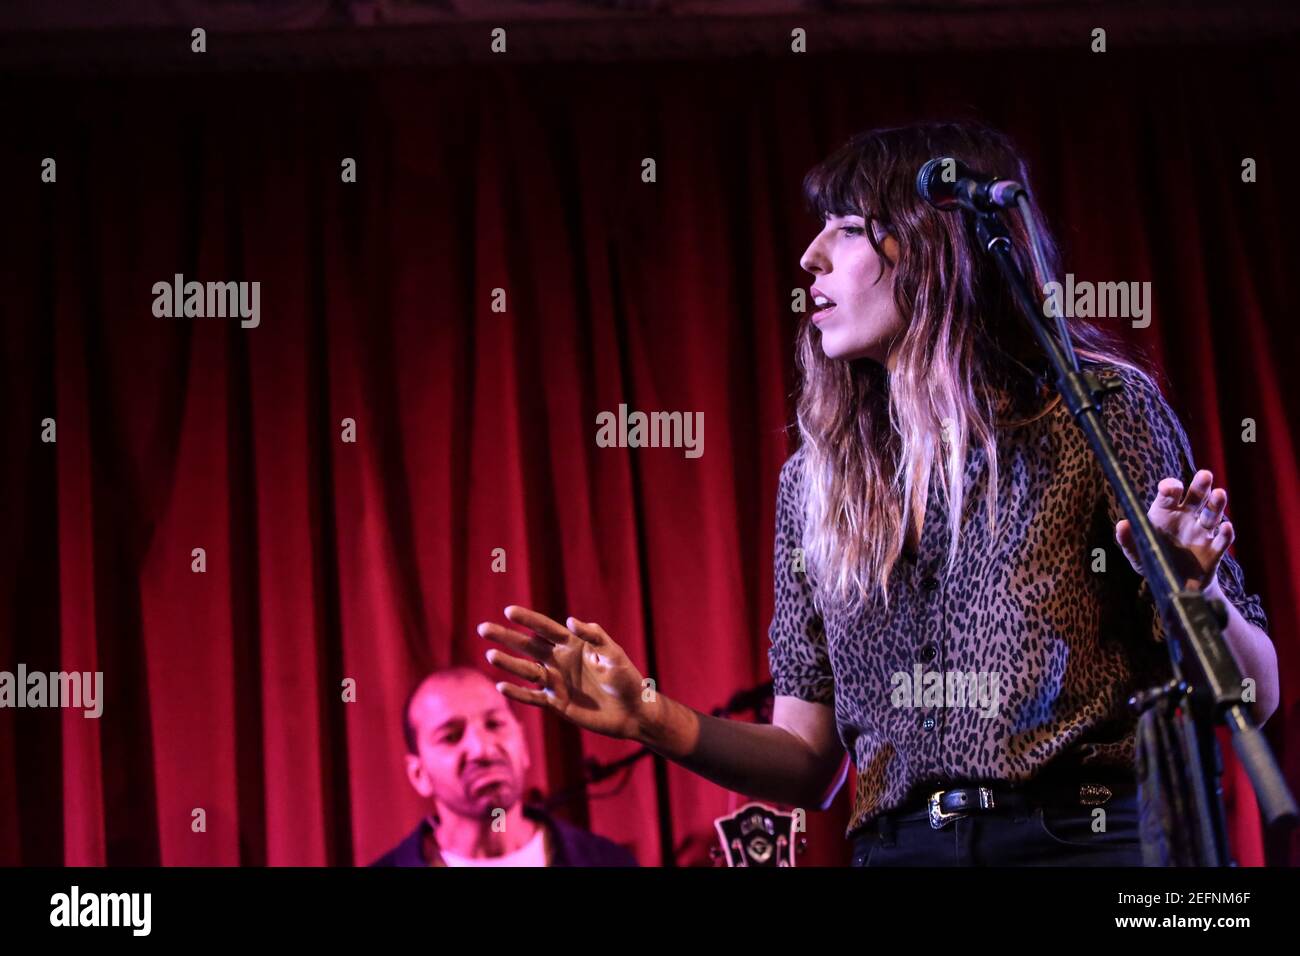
(812, 260)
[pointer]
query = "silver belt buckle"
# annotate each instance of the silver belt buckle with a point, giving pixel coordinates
(939, 819)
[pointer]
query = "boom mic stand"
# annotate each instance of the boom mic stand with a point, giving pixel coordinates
(1206, 689)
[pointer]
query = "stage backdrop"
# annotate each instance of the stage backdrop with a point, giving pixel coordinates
(475, 429)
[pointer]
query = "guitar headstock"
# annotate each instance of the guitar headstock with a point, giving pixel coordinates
(758, 835)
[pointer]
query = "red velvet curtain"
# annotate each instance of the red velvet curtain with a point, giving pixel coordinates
(475, 429)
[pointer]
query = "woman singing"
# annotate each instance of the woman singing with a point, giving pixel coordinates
(951, 601)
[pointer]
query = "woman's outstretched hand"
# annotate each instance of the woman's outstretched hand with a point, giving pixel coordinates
(1193, 526)
(579, 671)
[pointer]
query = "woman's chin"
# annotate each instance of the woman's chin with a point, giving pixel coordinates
(846, 351)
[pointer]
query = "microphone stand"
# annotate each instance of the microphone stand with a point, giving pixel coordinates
(1207, 684)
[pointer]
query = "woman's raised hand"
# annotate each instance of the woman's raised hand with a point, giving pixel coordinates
(579, 671)
(1192, 523)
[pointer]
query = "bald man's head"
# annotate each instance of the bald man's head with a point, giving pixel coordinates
(431, 684)
(467, 750)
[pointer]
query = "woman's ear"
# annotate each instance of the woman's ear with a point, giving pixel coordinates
(885, 239)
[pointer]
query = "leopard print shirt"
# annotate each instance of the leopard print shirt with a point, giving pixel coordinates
(1057, 639)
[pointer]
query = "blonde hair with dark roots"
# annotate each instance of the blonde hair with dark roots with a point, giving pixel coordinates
(872, 439)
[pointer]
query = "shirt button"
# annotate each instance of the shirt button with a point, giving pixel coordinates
(927, 724)
(930, 584)
(928, 652)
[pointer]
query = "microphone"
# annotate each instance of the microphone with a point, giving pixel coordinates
(947, 184)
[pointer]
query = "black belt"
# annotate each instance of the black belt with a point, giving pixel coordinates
(941, 807)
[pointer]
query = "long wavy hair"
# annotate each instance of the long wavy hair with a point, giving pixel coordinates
(876, 440)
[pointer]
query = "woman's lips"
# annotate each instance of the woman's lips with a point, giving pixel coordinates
(820, 315)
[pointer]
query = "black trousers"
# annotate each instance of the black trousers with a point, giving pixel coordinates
(1045, 835)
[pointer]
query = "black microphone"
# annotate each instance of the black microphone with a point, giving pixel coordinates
(947, 183)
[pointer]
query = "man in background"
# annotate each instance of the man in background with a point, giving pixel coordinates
(468, 757)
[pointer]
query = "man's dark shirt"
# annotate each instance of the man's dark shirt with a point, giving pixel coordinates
(570, 845)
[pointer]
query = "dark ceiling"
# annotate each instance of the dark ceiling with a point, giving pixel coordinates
(83, 35)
